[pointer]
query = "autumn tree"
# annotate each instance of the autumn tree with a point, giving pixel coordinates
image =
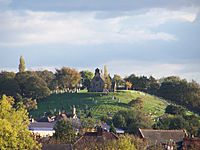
(14, 133)
(128, 85)
(22, 66)
(67, 78)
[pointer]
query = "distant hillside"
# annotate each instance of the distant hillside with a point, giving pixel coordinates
(99, 103)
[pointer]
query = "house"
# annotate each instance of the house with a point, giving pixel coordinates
(106, 127)
(44, 126)
(91, 140)
(191, 143)
(97, 83)
(167, 138)
(43, 129)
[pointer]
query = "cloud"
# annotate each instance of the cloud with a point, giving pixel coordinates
(4, 4)
(85, 28)
(101, 5)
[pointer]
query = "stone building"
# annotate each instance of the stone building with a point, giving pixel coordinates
(97, 83)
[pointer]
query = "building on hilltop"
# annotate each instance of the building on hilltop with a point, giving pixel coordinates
(97, 83)
(102, 83)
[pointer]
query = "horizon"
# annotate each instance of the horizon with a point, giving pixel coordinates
(142, 38)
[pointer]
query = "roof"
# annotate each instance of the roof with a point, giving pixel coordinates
(41, 125)
(162, 136)
(57, 147)
(94, 138)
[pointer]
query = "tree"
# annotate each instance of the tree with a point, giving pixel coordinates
(178, 122)
(154, 86)
(169, 122)
(86, 78)
(67, 78)
(8, 84)
(64, 132)
(22, 66)
(128, 85)
(88, 123)
(119, 120)
(131, 120)
(32, 86)
(107, 79)
(175, 110)
(48, 77)
(181, 92)
(123, 143)
(118, 80)
(14, 127)
(137, 103)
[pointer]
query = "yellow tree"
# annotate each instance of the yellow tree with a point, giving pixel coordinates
(14, 133)
(128, 85)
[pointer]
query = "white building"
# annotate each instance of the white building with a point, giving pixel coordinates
(42, 129)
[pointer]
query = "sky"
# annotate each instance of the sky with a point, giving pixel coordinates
(146, 37)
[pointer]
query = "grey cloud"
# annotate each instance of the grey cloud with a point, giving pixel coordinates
(100, 5)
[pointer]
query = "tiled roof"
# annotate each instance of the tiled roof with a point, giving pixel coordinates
(162, 136)
(41, 125)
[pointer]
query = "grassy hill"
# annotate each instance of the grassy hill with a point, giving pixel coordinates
(99, 103)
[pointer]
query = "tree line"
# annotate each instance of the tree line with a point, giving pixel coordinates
(172, 88)
(39, 84)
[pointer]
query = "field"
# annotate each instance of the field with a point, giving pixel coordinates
(99, 103)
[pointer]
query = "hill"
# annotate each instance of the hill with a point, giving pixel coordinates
(99, 104)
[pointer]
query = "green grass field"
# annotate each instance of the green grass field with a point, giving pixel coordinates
(99, 103)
